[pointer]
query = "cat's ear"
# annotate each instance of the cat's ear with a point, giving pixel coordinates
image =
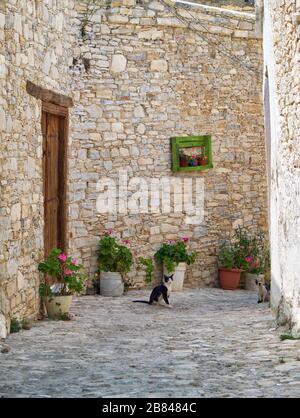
(171, 277)
(166, 278)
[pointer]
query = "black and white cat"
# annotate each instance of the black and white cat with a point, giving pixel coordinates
(160, 293)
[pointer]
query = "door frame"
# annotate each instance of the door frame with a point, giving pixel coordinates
(59, 104)
(63, 112)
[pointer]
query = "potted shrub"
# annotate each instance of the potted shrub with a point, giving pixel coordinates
(114, 260)
(245, 253)
(174, 257)
(68, 279)
(231, 267)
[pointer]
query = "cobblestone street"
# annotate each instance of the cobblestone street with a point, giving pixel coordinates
(211, 344)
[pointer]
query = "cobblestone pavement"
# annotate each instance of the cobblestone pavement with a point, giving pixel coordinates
(211, 344)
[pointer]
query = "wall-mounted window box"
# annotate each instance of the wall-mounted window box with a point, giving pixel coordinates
(191, 153)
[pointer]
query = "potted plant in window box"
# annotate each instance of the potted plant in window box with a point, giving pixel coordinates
(114, 260)
(183, 159)
(174, 256)
(68, 279)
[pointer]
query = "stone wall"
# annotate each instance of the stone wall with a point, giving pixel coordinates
(282, 41)
(137, 76)
(35, 36)
(150, 78)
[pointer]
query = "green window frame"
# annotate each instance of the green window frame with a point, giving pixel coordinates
(179, 142)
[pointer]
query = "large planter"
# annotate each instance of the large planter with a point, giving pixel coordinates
(178, 276)
(229, 278)
(111, 284)
(57, 306)
(250, 281)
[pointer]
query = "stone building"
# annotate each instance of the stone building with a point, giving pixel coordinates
(282, 96)
(110, 86)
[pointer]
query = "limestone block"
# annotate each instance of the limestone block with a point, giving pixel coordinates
(15, 212)
(117, 127)
(152, 34)
(2, 119)
(154, 230)
(159, 65)
(139, 112)
(124, 152)
(94, 111)
(11, 288)
(165, 228)
(118, 63)
(117, 18)
(18, 23)
(141, 128)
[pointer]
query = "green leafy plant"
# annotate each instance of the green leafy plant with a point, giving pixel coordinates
(246, 252)
(255, 250)
(288, 337)
(147, 264)
(65, 270)
(15, 325)
(174, 252)
(113, 256)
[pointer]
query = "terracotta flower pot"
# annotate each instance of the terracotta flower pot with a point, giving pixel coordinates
(183, 162)
(229, 278)
(203, 161)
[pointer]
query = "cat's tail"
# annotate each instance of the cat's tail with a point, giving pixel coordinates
(142, 301)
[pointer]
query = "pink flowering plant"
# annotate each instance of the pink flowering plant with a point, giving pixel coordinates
(245, 251)
(174, 252)
(66, 271)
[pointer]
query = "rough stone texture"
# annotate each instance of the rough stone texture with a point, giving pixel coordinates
(174, 84)
(282, 46)
(34, 38)
(168, 82)
(212, 343)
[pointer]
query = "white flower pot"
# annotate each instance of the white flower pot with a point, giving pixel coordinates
(250, 281)
(111, 284)
(56, 306)
(178, 278)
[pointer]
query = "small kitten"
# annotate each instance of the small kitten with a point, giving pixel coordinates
(263, 291)
(160, 293)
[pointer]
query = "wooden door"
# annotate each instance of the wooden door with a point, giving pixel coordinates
(54, 129)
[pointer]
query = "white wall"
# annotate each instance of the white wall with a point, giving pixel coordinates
(281, 42)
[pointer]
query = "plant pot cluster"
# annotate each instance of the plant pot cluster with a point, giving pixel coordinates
(245, 253)
(193, 160)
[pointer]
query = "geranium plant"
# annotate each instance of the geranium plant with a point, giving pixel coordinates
(174, 252)
(65, 270)
(230, 257)
(113, 256)
(245, 251)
